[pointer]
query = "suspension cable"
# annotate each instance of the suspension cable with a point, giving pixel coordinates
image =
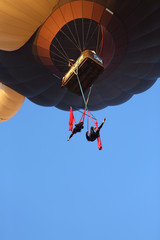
(81, 91)
(76, 109)
(85, 101)
(90, 89)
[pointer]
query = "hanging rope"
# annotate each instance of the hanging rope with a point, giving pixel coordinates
(90, 89)
(81, 90)
(83, 116)
(85, 101)
(89, 115)
(72, 119)
(87, 121)
(76, 109)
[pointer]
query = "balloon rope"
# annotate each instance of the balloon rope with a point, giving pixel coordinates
(81, 91)
(82, 34)
(65, 58)
(75, 43)
(78, 47)
(59, 61)
(65, 34)
(80, 85)
(87, 121)
(93, 34)
(82, 28)
(85, 101)
(101, 45)
(76, 109)
(90, 23)
(91, 118)
(62, 48)
(98, 38)
(70, 40)
(85, 42)
(57, 40)
(90, 89)
(76, 28)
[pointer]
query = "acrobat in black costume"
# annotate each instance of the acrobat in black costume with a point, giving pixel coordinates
(94, 134)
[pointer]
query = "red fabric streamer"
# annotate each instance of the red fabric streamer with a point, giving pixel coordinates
(71, 118)
(99, 139)
(83, 116)
(87, 121)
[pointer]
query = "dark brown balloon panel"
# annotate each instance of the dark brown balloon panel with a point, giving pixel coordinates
(125, 34)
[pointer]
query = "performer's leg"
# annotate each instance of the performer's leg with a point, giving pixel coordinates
(102, 124)
(70, 136)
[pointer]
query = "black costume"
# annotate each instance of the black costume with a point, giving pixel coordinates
(93, 134)
(78, 128)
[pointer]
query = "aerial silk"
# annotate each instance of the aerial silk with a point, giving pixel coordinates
(10, 102)
(71, 119)
(96, 125)
(99, 139)
(39, 38)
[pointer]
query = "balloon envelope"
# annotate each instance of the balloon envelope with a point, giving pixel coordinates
(125, 34)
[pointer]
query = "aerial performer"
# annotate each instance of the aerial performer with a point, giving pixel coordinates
(78, 127)
(94, 132)
(88, 54)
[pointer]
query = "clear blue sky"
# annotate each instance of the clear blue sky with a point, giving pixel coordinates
(54, 189)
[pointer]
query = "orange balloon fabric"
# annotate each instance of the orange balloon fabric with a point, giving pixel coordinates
(10, 102)
(20, 19)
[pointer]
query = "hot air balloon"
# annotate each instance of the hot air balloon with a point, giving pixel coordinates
(39, 39)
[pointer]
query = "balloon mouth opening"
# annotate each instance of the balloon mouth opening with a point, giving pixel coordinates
(75, 37)
(78, 26)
